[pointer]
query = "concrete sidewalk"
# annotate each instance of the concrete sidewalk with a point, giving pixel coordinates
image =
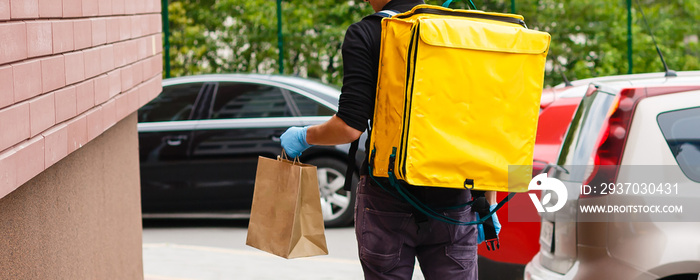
(216, 250)
(186, 262)
(171, 261)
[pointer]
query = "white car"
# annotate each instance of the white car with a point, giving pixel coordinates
(625, 137)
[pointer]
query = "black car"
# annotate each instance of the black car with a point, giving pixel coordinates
(200, 139)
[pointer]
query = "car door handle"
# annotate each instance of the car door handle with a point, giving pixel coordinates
(175, 140)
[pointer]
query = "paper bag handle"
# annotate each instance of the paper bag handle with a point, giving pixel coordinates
(284, 156)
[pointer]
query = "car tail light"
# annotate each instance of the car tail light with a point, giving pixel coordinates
(613, 136)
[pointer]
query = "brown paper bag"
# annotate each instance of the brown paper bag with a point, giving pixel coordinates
(286, 218)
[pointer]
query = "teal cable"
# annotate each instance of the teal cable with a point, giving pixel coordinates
(448, 2)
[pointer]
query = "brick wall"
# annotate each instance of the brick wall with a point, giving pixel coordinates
(69, 70)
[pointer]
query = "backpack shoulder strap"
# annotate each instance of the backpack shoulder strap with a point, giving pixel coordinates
(350, 171)
(386, 13)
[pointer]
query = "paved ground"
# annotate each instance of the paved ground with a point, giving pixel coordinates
(173, 261)
(216, 250)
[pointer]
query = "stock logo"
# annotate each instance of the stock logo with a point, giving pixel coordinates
(542, 183)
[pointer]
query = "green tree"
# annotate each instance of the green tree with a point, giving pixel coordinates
(589, 37)
(227, 36)
(189, 43)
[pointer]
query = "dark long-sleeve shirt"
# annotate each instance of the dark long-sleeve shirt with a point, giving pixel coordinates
(360, 65)
(361, 49)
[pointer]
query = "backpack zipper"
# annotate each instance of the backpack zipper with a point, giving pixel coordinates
(408, 101)
(462, 14)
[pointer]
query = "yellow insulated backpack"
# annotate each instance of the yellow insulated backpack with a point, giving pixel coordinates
(457, 99)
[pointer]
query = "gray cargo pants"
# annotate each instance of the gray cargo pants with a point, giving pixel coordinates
(391, 234)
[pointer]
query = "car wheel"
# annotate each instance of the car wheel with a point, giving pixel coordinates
(337, 204)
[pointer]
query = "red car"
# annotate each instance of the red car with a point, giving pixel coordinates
(519, 241)
(557, 107)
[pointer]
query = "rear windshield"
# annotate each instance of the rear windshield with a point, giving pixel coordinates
(682, 132)
(580, 141)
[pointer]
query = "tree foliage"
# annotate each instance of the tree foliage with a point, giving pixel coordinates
(589, 37)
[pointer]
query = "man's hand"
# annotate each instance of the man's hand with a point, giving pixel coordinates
(294, 141)
(496, 224)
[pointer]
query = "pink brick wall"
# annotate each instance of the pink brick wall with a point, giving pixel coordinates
(69, 70)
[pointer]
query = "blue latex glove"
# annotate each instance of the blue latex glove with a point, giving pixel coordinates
(481, 236)
(294, 141)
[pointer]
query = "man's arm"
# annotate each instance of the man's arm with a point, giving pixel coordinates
(491, 197)
(355, 105)
(333, 132)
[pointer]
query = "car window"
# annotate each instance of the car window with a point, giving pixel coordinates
(175, 103)
(579, 144)
(248, 100)
(682, 132)
(310, 107)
